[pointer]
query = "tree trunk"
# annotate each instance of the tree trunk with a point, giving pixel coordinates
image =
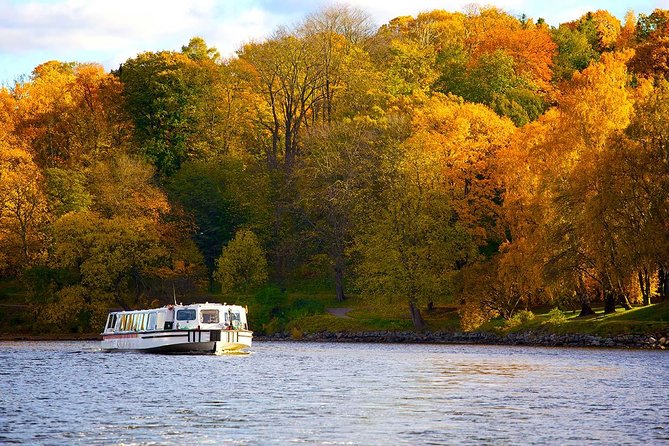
(662, 282)
(621, 297)
(581, 292)
(609, 302)
(624, 301)
(643, 285)
(416, 317)
(339, 281)
(647, 279)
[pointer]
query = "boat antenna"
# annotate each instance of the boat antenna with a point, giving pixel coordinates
(174, 293)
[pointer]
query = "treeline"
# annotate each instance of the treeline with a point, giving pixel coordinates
(475, 158)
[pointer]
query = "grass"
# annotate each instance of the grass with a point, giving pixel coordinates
(639, 320)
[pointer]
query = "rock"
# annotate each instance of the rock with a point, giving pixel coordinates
(663, 341)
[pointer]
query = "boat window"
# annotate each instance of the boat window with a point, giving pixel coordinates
(232, 316)
(209, 316)
(152, 321)
(112, 320)
(186, 315)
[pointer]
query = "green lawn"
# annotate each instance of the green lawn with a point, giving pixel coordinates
(639, 320)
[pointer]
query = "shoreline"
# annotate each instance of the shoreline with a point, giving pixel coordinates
(528, 339)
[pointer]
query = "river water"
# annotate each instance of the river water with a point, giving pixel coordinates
(319, 393)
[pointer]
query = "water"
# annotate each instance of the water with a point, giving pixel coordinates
(354, 394)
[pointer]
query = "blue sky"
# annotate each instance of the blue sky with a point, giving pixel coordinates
(111, 31)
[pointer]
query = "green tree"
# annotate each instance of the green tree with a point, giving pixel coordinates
(66, 191)
(242, 265)
(110, 255)
(221, 197)
(409, 242)
(574, 52)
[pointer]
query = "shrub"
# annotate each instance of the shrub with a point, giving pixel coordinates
(521, 317)
(556, 316)
(473, 315)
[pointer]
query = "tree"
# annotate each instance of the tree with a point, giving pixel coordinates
(289, 77)
(337, 171)
(179, 103)
(66, 191)
(652, 53)
(410, 242)
(573, 220)
(574, 52)
(242, 265)
(70, 114)
(198, 50)
(110, 255)
(500, 62)
(23, 210)
(123, 187)
(464, 140)
(221, 197)
(601, 28)
(338, 33)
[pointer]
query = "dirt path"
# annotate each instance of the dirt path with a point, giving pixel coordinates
(339, 312)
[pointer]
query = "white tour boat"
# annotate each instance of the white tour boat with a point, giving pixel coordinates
(195, 328)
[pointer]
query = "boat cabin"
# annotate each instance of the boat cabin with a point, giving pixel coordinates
(178, 317)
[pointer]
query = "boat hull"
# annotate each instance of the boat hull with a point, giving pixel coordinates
(179, 341)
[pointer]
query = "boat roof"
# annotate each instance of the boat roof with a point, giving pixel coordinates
(180, 306)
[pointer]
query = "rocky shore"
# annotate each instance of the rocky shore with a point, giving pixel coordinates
(525, 338)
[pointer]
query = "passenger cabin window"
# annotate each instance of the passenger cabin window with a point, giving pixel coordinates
(112, 320)
(186, 315)
(209, 316)
(232, 318)
(152, 321)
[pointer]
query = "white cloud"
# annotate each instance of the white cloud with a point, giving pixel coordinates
(109, 32)
(112, 32)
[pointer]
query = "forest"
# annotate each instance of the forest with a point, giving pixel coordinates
(474, 158)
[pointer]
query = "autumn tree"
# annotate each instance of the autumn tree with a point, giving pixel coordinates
(410, 239)
(287, 74)
(66, 191)
(338, 33)
(70, 114)
(652, 53)
(111, 256)
(648, 152)
(500, 62)
(572, 219)
(23, 209)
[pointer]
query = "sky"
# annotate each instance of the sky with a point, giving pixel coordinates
(111, 31)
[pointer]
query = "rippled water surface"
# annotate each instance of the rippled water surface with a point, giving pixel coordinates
(312, 393)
